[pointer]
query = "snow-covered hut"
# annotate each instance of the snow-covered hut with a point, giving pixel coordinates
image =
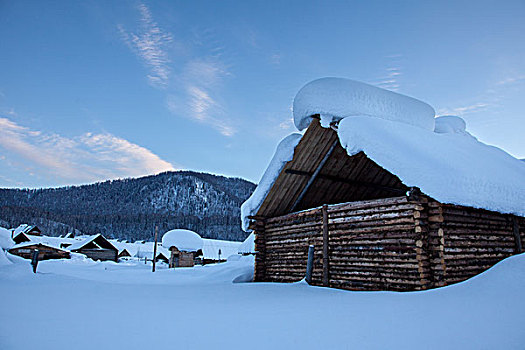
(124, 253)
(391, 197)
(28, 230)
(184, 246)
(45, 251)
(96, 247)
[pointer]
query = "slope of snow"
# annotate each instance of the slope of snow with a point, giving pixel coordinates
(450, 167)
(184, 240)
(248, 246)
(282, 155)
(5, 239)
(337, 98)
(211, 247)
(486, 312)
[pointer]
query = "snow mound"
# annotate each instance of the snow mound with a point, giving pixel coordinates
(449, 167)
(5, 239)
(450, 124)
(283, 154)
(338, 98)
(184, 240)
(3, 258)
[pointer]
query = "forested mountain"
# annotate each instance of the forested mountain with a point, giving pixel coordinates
(130, 208)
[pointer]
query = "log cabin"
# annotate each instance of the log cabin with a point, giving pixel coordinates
(369, 229)
(96, 247)
(45, 252)
(386, 205)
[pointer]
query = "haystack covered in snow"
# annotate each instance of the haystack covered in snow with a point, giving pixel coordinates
(391, 197)
(184, 246)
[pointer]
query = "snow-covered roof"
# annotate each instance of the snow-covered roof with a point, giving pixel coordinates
(24, 228)
(338, 98)
(283, 154)
(248, 246)
(28, 244)
(80, 244)
(184, 240)
(401, 135)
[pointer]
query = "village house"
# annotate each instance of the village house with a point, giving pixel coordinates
(184, 247)
(96, 247)
(45, 252)
(390, 198)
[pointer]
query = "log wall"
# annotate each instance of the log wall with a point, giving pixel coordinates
(396, 244)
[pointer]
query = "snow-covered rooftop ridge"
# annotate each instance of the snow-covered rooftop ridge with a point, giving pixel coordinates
(400, 133)
(282, 155)
(449, 165)
(184, 240)
(80, 244)
(337, 98)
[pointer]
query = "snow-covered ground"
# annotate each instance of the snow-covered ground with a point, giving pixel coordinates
(81, 304)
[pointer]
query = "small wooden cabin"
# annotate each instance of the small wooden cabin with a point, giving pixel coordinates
(20, 238)
(96, 247)
(124, 253)
(179, 258)
(45, 252)
(370, 231)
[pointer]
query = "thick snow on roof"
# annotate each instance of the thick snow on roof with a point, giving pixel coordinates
(184, 240)
(79, 244)
(248, 246)
(452, 167)
(337, 98)
(400, 134)
(283, 154)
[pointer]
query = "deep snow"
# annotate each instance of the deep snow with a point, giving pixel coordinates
(81, 304)
(337, 98)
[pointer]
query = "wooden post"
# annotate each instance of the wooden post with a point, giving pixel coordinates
(155, 248)
(309, 264)
(516, 231)
(34, 260)
(326, 244)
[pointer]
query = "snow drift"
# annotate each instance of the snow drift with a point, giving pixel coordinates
(337, 98)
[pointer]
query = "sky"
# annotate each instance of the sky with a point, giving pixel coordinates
(97, 90)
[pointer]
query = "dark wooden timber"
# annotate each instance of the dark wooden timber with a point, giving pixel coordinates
(313, 177)
(393, 190)
(326, 244)
(516, 231)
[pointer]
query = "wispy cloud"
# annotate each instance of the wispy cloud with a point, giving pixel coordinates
(390, 80)
(150, 44)
(463, 110)
(84, 158)
(511, 80)
(199, 82)
(193, 88)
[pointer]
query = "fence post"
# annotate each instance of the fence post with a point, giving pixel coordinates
(310, 264)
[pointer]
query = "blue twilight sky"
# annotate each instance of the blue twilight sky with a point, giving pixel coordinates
(93, 90)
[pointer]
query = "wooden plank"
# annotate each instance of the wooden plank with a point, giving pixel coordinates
(326, 245)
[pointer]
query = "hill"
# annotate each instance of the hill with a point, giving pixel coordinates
(130, 208)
